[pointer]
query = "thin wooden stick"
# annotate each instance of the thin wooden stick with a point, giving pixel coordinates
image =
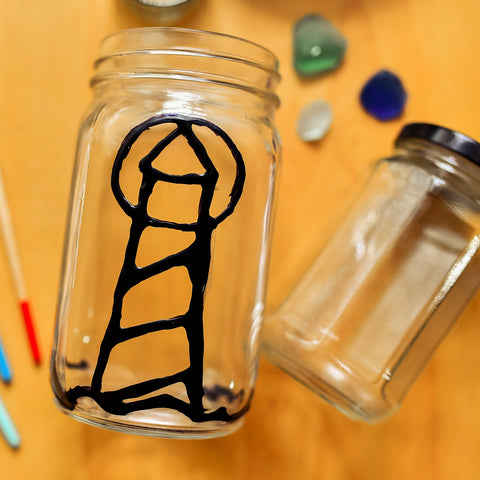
(16, 270)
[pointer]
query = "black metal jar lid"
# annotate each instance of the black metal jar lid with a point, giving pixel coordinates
(443, 137)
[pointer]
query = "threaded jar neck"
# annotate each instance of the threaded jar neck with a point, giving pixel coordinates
(449, 155)
(448, 139)
(189, 55)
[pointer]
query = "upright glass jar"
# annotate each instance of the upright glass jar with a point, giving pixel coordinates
(167, 241)
(386, 288)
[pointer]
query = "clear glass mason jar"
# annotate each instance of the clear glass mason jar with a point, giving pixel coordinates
(162, 291)
(386, 288)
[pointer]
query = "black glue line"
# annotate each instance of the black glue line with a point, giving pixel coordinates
(195, 258)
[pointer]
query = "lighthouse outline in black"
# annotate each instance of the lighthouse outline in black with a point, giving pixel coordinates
(196, 258)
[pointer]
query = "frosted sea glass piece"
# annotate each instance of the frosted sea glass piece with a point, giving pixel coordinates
(314, 121)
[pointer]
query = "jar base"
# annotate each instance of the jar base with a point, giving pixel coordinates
(346, 393)
(163, 423)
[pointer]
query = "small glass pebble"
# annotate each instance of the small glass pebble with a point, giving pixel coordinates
(314, 121)
(318, 46)
(384, 96)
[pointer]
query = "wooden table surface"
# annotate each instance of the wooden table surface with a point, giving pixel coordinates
(46, 53)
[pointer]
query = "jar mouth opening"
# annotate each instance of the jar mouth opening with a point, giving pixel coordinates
(189, 54)
(183, 37)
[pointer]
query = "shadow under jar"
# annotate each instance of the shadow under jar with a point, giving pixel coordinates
(162, 290)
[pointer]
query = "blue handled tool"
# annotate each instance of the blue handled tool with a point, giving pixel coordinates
(5, 370)
(7, 427)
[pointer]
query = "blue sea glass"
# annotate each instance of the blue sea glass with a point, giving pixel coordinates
(383, 96)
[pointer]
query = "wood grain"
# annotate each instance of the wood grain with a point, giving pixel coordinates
(47, 50)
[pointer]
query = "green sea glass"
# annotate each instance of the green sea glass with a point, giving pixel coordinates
(318, 46)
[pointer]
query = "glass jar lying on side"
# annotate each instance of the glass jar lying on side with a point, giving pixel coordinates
(162, 291)
(369, 313)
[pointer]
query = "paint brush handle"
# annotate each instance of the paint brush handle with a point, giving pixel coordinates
(13, 258)
(5, 370)
(7, 427)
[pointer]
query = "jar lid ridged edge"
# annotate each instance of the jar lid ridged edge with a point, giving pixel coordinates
(444, 137)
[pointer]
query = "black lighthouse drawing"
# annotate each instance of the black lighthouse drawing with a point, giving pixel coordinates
(196, 258)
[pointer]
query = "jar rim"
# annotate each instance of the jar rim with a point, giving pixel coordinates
(164, 52)
(256, 53)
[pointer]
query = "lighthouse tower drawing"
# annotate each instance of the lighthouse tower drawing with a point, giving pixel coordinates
(195, 257)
